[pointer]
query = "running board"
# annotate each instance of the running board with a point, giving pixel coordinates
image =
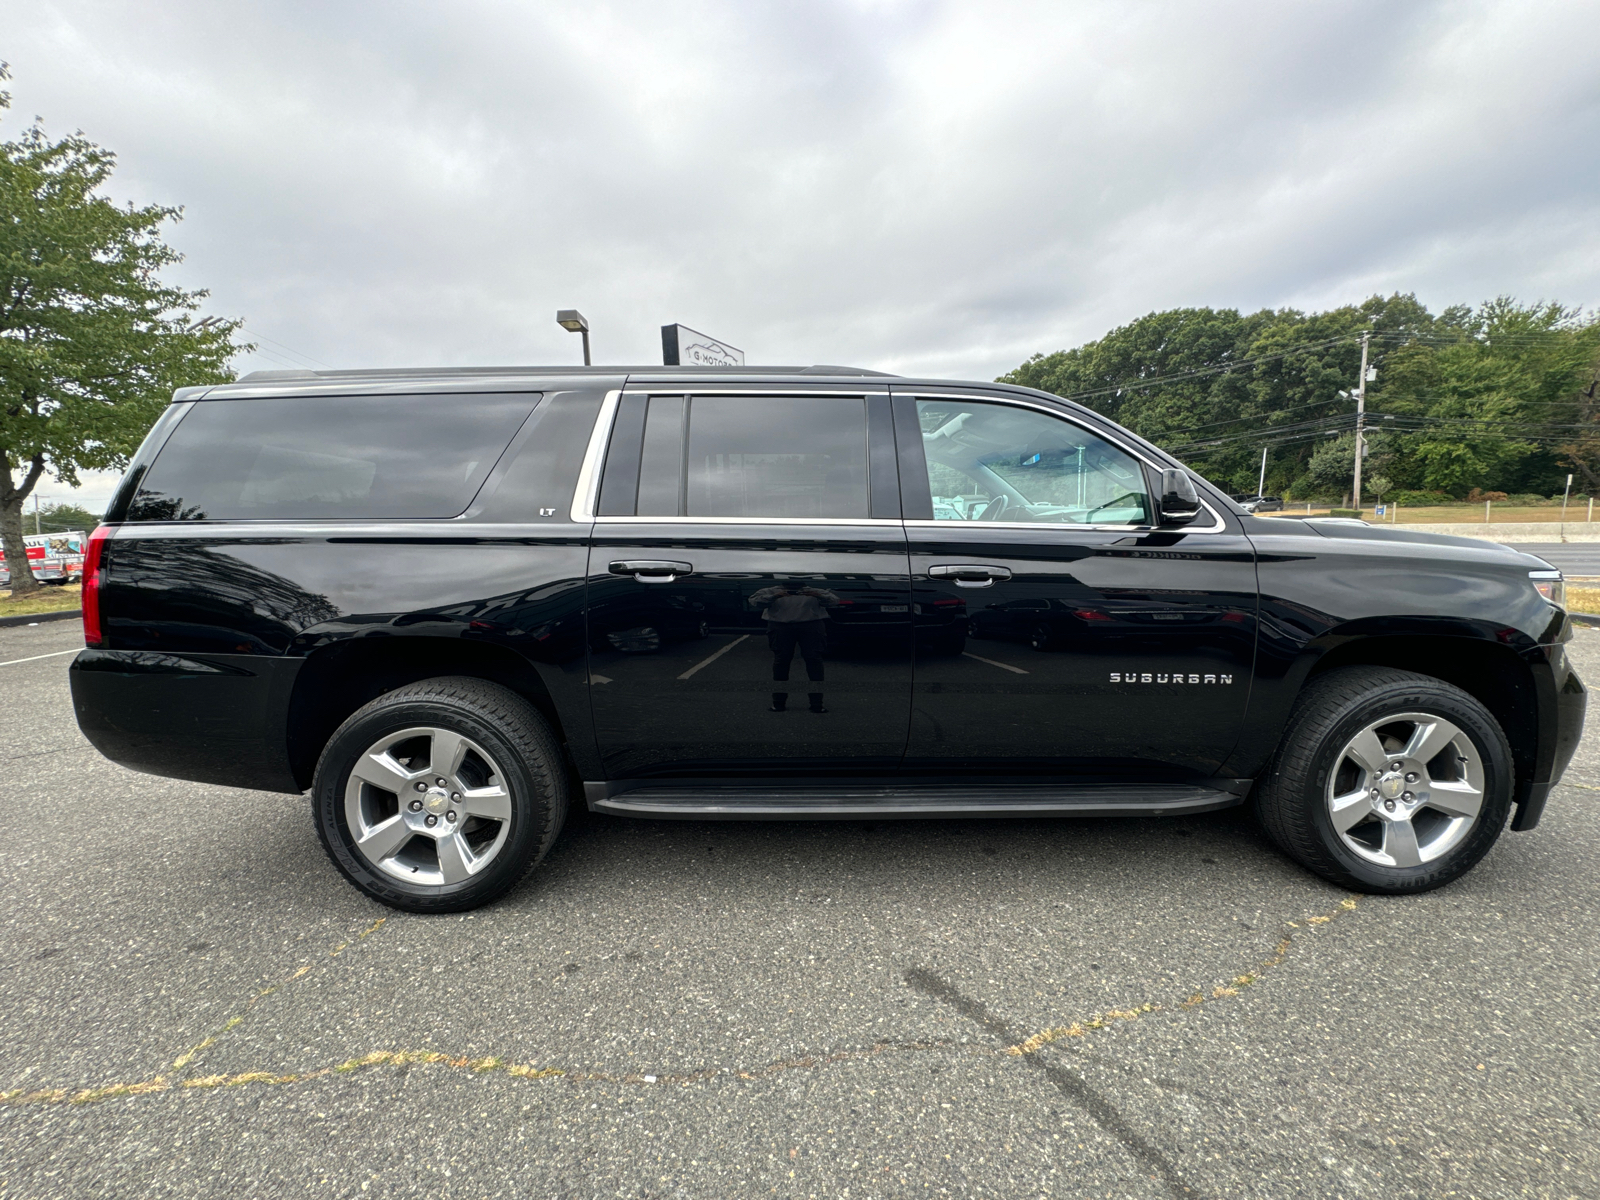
(850, 801)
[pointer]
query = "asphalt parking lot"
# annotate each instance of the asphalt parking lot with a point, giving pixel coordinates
(195, 1004)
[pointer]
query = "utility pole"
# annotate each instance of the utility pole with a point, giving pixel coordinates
(1261, 484)
(1361, 418)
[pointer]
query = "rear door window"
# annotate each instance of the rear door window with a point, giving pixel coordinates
(345, 457)
(794, 457)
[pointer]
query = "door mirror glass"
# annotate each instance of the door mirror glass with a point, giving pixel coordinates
(1180, 503)
(997, 462)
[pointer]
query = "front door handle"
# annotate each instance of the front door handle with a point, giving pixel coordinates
(651, 570)
(969, 574)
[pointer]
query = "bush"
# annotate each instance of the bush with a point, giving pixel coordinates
(1529, 499)
(1344, 512)
(1418, 499)
(1478, 496)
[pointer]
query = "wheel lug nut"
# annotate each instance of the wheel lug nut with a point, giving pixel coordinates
(432, 821)
(1394, 766)
(1411, 776)
(1409, 797)
(440, 782)
(451, 816)
(455, 797)
(420, 786)
(1374, 793)
(1388, 804)
(416, 806)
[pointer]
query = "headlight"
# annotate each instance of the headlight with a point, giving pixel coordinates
(1550, 585)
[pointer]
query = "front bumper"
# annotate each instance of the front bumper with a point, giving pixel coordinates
(1571, 702)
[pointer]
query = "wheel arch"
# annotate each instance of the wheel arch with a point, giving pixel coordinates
(337, 680)
(1492, 673)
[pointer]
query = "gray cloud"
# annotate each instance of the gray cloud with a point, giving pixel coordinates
(931, 188)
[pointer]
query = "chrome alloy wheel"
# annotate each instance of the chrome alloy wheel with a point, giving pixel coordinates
(427, 806)
(1406, 790)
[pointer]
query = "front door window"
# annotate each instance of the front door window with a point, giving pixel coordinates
(993, 462)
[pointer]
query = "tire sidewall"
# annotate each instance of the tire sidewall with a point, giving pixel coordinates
(362, 731)
(1495, 755)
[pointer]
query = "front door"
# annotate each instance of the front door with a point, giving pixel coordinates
(1096, 645)
(749, 588)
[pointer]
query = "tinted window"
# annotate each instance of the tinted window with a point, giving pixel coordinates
(993, 462)
(385, 457)
(801, 457)
(661, 465)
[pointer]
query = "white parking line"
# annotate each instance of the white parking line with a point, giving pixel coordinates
(992, 663)
(706, 662)
(37, 657)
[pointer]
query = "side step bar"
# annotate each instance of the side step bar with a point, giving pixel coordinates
(710, 802)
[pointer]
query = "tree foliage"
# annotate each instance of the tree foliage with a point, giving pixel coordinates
(1487, 397)
(92, 341)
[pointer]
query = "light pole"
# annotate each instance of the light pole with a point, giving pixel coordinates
(573, 321)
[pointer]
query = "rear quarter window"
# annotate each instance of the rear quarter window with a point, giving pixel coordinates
(345, 457)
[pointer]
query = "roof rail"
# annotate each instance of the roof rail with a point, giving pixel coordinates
(436, 372)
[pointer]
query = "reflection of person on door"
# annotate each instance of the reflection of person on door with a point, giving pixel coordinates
(796, 617)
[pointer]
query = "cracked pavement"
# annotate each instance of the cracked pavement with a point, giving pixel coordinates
(195, 1004)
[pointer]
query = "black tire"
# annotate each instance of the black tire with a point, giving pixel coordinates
(516, 737)
(1042, 638)
(1291, 802)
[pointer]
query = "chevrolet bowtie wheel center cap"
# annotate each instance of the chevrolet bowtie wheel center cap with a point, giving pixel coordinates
(1391, 784)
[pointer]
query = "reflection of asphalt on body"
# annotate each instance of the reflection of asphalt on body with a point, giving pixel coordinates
(1006, 1008)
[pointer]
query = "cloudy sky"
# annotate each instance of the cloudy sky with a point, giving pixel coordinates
(931, 188)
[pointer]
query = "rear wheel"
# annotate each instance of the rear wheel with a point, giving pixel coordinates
(440, 796)
(1387, 782)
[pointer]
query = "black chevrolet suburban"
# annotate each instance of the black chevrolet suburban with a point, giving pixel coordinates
(450, 602)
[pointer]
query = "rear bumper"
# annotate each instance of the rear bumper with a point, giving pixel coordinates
(213, 718)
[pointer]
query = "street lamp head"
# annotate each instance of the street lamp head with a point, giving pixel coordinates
(572, 321)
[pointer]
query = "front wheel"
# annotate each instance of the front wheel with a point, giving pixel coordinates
(440, 796)
(1387, 782)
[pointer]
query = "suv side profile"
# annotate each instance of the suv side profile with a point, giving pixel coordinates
(451, 603)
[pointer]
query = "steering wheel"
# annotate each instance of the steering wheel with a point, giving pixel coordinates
(995, 509)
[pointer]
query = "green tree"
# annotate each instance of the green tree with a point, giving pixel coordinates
(63, 518)
(1490, 397)
(92, 342)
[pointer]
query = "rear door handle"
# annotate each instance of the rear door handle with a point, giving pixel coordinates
(969, 574)
(650, 570)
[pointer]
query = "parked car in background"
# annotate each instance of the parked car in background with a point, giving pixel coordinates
(450, 603)
(53, 557)
(1260, 504)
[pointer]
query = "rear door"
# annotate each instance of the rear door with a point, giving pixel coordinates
(718, 511)
(1097, 645)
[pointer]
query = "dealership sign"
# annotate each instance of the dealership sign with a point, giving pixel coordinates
(682, 346)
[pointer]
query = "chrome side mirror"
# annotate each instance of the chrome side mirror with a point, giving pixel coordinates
(1179, 503)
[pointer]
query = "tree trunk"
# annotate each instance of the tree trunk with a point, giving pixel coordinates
(12, 500)
(22, 580)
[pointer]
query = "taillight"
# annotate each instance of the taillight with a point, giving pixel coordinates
(91, 586)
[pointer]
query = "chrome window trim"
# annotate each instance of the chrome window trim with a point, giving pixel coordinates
(880, 521)
(587, 494)
(1218, 525)
(683, 390)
